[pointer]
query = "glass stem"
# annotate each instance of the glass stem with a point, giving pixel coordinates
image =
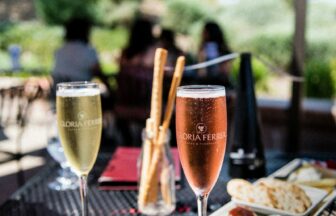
(83, 194)
(202, 201)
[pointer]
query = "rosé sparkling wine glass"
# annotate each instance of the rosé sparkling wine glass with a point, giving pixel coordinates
(201, 131)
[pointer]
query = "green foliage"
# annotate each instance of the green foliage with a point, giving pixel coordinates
(37, 42)
(4, 60)
(109, 43)
(106, 12)
(104, 39)
(259, 13)
(320, 48)
(183, 15)
(59, 11)
(320, 79)
(276, 48)
(111, 13)
(333, 74)
(262, 27)
(260, 74)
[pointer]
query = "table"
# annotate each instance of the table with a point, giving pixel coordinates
(35, 199)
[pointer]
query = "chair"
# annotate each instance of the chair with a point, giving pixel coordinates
(15, 102)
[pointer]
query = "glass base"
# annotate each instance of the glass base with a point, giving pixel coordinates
(62, 183)
(159, 208)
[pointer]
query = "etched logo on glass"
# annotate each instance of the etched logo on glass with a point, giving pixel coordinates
(201, 128)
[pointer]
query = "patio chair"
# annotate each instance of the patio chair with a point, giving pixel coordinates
(15, 103)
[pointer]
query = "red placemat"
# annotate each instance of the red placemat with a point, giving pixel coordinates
(121, 172)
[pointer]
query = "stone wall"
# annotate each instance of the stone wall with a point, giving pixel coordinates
(17, 10)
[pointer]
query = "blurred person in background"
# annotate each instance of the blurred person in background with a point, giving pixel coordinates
(213, 45)
(76, 60)
(141, 46)
(134, 82)
(167, 41)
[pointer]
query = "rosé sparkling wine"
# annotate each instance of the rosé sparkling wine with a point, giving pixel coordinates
(201, 130)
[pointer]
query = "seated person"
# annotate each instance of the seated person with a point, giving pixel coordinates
(167, 41)
(76, 60)
(212, 46)
(135, 80)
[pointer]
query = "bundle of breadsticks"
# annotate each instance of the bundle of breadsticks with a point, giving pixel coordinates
(153, 147)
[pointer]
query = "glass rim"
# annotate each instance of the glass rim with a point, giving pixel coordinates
(196, 90)
(76, 84)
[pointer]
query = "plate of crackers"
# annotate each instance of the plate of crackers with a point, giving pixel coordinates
(275, 197)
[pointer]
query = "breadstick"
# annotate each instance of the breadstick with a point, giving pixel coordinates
(156, 100)
(160, 58)
(172, 93)
(163, 130)
(167, 198)
(145, 159)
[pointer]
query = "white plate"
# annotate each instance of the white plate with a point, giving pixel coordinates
(224, 210)
(315, 195)
(326, 202)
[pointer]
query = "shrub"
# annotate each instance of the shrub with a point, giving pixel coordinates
(111, 13)
(59, 11)
(109, 43)
(109, 39)
(182, 15)
(275, 48)
(260, 74)
(320, 48)
(5, 62)
(37, 42)
(320, 80)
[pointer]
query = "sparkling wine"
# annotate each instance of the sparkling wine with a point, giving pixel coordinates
(79, 119)
(201, 131)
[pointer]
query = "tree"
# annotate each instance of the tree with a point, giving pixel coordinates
(57, 12)
(104, 12)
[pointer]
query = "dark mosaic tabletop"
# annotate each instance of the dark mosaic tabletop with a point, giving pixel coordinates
(36, 199)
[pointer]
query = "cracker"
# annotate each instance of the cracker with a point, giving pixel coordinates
(272, 193)
(245, 191)
(286, 196)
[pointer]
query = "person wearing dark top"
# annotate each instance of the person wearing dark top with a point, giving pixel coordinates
(213, 45)
(76, 59)
(140, 49)
(134, 81)
(167, 41)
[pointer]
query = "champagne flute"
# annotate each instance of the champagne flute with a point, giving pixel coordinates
(79, 120)
(201, 130)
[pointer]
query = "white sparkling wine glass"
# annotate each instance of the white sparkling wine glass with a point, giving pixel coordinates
(201, 130)
(79, 120)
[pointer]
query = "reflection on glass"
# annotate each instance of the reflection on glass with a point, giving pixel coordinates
(66, 179)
